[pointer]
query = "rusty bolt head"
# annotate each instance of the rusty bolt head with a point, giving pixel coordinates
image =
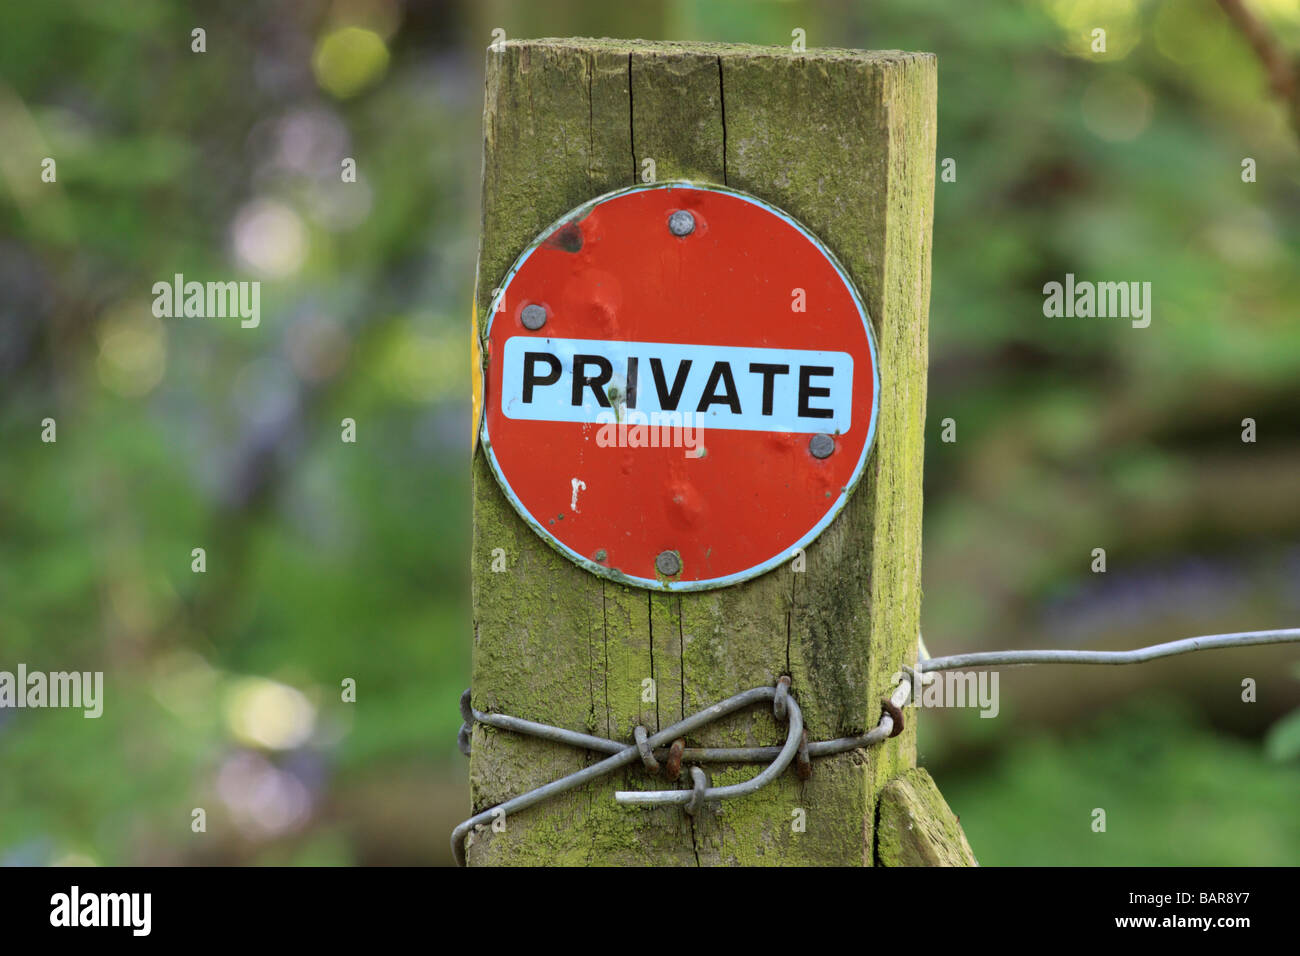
(821, 446)
(802, 760)
(668, 563)
(533, 317)
(892, 710)
(681, 223)
(673, 765)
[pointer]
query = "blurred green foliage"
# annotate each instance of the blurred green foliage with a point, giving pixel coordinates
(328, 561)
(1171, 789)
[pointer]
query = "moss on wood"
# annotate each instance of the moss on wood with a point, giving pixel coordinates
(916, 826)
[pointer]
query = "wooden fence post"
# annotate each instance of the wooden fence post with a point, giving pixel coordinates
(845, 142)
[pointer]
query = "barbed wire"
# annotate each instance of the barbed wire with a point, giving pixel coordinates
(666, 750)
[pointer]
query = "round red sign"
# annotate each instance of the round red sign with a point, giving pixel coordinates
(680, 386)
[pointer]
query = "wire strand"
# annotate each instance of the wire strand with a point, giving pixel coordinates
(1138, 656)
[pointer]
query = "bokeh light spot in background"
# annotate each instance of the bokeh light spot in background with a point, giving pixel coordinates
(423, 368)
(183, 682)
(269, 238)
(1279, 9)
(264, 391)
(347, 61)
(1116, 107)
(263, 799)
(317, 346)
(1078, 18)
(265, 713)
(340, 209)
(309, 140)
(132, 350)
(1247, 238)
(1181, 35)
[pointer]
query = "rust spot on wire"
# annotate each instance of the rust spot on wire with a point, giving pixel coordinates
(673, 765)
(892, 710)
(803, 762)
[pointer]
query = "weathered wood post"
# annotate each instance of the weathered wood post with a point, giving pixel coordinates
(844, 141)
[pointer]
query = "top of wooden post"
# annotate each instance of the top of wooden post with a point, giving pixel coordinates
(609, 44)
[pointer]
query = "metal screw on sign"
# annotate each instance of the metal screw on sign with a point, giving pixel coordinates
(533, 317)
(669, 563)
(821, 446)
(681, 223)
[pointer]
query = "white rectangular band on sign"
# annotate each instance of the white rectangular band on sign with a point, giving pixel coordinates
(726, 387)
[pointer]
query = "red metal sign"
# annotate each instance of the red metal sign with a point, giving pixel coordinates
(680, 386)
